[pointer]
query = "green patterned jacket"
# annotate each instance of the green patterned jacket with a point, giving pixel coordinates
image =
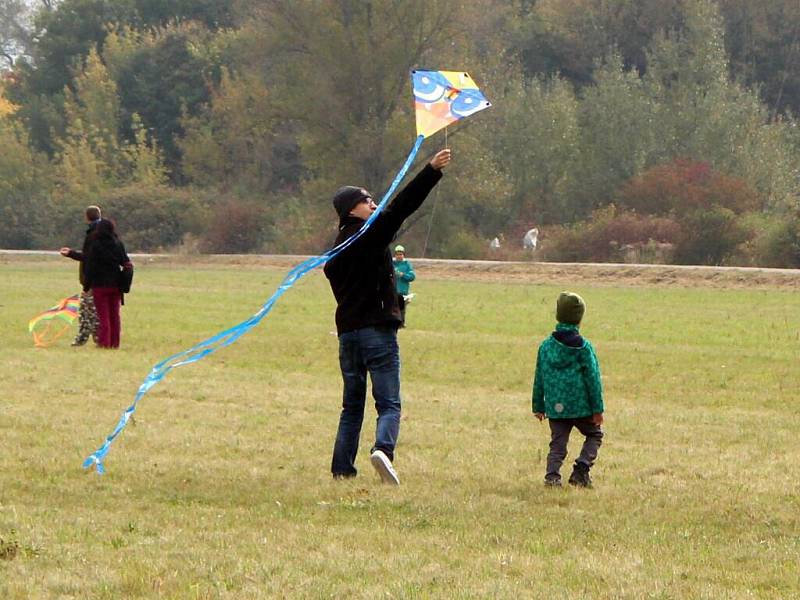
(567, 380)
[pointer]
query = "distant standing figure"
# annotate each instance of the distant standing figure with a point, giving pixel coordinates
(87, 314)
(531, 239)
(567, 390)
(104, 260)
(403, 276)
(494, 244)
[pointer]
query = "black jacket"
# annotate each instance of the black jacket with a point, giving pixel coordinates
(81, 255)
(362, 276)
(102, 261)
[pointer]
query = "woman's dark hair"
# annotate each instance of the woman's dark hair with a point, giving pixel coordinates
(105, 228)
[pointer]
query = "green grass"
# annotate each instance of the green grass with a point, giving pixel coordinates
(221, 488)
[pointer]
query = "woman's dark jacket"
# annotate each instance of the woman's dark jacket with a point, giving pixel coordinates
(81, 255)
(102, 261)
(362, 276)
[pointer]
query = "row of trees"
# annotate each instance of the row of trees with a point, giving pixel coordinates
(653, 129)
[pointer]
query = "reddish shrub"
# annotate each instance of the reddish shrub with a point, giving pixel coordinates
(684, 185)
(612, 235)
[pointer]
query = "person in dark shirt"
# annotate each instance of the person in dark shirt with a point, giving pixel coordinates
(362, 279)
(87, 314)
(105, 258)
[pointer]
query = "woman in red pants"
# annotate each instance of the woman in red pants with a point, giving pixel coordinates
(104, 259)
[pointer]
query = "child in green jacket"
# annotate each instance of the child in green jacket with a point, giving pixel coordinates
(403, 276)
(567, 390)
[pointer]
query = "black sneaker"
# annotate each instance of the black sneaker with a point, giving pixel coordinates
(552, 482)
(580, 476)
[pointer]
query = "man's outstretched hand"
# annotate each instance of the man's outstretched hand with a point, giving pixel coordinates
(441, 159)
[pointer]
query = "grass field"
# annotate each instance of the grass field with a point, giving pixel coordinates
(221, 489)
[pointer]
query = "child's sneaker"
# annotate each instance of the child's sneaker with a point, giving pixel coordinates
(552, 481)
(384, 467)
(580, 476)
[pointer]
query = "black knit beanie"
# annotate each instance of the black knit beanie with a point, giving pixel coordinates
(346, 198)
(570, 308)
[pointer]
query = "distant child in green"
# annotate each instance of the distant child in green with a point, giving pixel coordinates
(403, 276)
(567, 390)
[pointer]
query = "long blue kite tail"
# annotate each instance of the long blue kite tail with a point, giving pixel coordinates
(227, 337)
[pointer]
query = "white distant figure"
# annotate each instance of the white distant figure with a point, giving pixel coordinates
(494, 244)
(530, 239)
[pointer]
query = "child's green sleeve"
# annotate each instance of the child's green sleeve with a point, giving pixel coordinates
(538, 386)
(409, 275)
(593, 384)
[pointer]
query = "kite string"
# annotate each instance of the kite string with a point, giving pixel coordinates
(433, 210)
(227, 337)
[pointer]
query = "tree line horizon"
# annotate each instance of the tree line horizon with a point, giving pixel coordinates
(624, 130)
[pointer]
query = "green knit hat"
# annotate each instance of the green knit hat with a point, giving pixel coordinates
(570, 308)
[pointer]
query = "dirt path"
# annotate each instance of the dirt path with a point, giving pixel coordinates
(613, 274)
(483, 270)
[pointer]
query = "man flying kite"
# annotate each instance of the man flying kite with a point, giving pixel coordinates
(368, 315)
(362, 279)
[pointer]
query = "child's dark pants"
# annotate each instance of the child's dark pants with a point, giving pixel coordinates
(559, 436)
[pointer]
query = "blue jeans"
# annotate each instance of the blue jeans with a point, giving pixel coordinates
(373, 350)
